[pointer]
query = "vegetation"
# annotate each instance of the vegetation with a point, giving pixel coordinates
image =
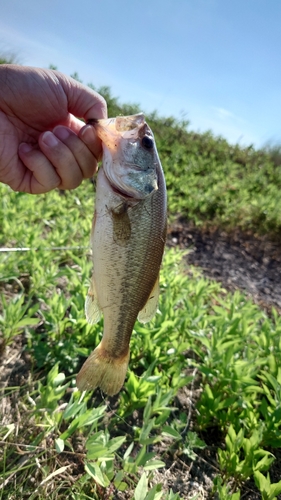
(211, 182)
(204, 382)
(8, 59)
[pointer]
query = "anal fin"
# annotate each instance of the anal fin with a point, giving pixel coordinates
(92, 308)
(146, 314)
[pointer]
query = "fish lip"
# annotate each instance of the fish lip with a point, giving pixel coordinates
(135, 119)
(129, 123)
(122, 124)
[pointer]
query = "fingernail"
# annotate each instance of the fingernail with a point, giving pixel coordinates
(50, 139)
(88, 134)
(61, 132)
(25, 148)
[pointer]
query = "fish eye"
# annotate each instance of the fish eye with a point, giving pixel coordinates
(147, 142)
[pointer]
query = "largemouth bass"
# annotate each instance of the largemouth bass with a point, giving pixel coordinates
(128, 239)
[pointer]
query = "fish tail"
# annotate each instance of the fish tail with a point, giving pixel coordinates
(104, 371)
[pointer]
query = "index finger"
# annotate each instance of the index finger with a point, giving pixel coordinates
(82, 101)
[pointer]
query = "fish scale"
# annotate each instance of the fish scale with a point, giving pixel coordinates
(128, 239)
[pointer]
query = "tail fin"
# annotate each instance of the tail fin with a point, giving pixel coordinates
(100, 370)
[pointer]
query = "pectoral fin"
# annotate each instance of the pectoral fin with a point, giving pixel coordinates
(121, 225)
(150, 308)
(92, 308)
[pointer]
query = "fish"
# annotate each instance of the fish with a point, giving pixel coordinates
(128, 239)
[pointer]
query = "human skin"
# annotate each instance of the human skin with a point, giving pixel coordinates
(43, 143)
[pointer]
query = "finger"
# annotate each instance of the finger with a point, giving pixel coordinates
(85, 158)
(62, 159)
(89, 136)
(40, 175)
(82, 101)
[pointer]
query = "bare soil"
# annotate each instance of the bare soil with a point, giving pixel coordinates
(237, 260)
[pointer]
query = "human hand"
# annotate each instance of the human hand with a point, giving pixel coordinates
(43, 144)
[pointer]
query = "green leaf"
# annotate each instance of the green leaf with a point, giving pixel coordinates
(262, 482)
(275, 489)
(118, 481)
(73, 408)
(153, 379)
(232, 434)
(193, 440)
(128, 451)
(154, 493)
(141, 488)
(147, 410)
(94, 471)
(143, 456)
(59, 379)
(59, 444)
(115, 443)
(96, 451)
(170, 432)
(145, 431)
(27, 322)
(264, 463)
(154, 464)
(90, 416)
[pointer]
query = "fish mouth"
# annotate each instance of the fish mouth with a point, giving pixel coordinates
(126, 123)
(116, 134)
(120, 123)
(128, 127)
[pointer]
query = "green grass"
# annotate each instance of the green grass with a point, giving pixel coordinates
(83, 446)
(57, 443)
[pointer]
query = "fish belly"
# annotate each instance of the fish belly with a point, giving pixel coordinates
(127, 243)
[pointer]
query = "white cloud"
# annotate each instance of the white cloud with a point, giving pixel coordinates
(224, 115)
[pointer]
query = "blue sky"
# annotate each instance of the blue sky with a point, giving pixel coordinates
(216, 63)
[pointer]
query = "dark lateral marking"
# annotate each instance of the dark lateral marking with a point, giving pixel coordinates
(121, 224)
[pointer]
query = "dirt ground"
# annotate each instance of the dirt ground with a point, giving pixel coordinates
(237, 260)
